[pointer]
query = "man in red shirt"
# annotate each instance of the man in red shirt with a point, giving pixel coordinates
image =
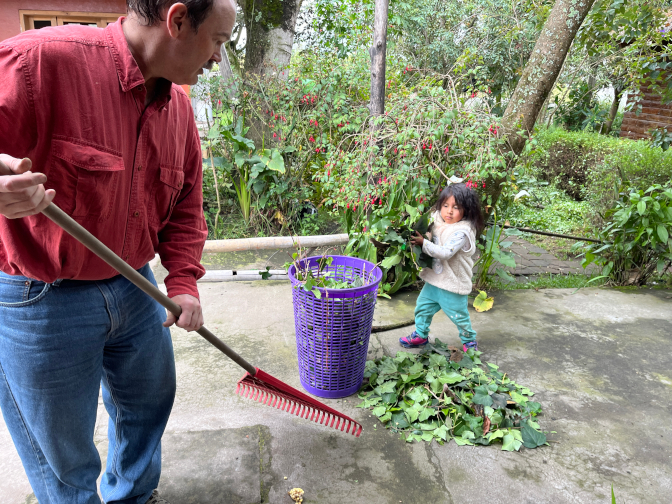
(92, 120)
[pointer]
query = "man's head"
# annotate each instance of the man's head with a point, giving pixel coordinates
(187, 36)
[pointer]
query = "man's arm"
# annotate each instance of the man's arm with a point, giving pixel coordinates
(22, 192)
(182, 239)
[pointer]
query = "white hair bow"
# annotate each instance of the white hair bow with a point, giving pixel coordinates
(454, 180)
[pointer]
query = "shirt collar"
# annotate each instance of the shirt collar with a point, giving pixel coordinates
(128, 70)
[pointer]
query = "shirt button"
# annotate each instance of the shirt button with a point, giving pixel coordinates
(137, 214)
(140, 168)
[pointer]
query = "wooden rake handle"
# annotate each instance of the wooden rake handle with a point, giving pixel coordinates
(60, 218)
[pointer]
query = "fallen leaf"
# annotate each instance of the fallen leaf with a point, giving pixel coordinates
(482, 302)
(486, 425)
(455, 354)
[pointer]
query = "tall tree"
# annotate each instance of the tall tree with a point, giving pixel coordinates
(377, 52)
(270, 28)
(542, 69)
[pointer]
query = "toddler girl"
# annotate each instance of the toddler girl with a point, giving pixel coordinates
(457, 220)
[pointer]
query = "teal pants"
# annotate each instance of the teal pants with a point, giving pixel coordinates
(431, 300)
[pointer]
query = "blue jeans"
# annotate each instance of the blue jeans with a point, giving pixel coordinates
(58, 343)
(431, 300)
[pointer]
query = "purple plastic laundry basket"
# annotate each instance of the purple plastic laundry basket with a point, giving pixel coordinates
(332, 333)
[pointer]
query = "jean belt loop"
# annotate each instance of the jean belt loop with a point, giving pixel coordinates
(57, 282)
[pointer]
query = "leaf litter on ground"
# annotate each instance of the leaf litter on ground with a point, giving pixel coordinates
(428, 396)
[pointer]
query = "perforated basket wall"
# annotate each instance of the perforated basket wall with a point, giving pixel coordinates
(332, 333)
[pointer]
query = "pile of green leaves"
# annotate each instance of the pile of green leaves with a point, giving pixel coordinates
(426, 396)
(636, 240)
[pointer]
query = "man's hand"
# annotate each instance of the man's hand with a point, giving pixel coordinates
(22, 192)
(192, 315)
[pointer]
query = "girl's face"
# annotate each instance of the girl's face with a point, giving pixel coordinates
(450, 212)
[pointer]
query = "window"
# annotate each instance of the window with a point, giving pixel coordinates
(34, 20)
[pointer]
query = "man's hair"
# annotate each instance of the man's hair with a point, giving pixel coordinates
(152, 10)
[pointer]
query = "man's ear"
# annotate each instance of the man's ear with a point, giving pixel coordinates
(177, 21)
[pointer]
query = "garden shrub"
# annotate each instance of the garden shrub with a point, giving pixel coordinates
(592, 167)
(636, 242)
(269, 139)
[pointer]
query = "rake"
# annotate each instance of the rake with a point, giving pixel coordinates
(256, 384)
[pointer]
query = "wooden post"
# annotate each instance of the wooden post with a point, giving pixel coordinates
(377, 52)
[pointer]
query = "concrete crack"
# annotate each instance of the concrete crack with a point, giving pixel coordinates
(439, 470)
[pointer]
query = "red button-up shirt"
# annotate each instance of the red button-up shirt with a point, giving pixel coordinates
(72, 100)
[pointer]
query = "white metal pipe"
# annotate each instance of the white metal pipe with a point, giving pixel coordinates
(273, 242)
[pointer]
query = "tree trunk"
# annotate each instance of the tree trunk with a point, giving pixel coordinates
(618, 93)
(270, 34)
(377, 52)
(542, 70)
(228, 80)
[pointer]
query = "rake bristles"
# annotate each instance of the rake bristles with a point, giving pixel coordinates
(270, 391)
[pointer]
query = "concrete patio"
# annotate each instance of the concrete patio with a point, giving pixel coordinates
(598, 359)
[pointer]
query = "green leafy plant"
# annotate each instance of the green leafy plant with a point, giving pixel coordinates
(660, 137)
(636, 240)
(384, 239)
(492, 249)
(248, 169)
(427, 396)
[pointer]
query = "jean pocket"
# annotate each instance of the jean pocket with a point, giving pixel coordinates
(97, 174)
(20, 292)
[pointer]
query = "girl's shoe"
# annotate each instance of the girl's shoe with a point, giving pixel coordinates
(413, 341)
(471, 344)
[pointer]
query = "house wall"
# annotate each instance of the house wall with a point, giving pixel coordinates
(653, 115)
(9, 10)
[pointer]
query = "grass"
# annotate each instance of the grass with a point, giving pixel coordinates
(573, 281)
(550, 209)
(546, 281)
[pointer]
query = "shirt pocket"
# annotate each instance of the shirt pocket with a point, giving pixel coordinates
(167, 189)
(98, 176)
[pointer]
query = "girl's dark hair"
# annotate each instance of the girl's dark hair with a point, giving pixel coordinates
(468, 200)
(152, 10)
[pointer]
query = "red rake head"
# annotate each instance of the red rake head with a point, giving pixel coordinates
(267, 390)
